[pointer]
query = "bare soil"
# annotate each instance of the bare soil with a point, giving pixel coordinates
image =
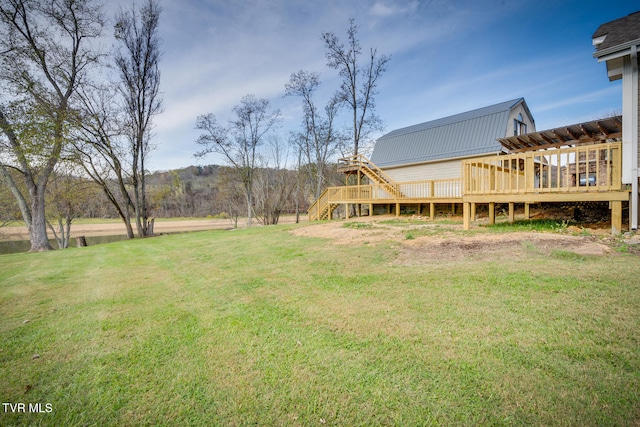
(433, 241)
(160, 227)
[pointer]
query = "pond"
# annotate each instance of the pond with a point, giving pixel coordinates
(15, 246)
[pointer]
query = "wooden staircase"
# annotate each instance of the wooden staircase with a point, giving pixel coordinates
(360, 163)
(321, 208)
(324, 207)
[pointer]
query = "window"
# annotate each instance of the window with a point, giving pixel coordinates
(519, 126)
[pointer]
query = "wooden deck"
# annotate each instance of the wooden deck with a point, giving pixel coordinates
(581, 173)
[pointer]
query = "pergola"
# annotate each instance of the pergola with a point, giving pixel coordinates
(603, 130)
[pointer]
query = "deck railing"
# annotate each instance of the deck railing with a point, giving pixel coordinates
(589, 168)
(580, 169)
(317, 209)
(358, 162)
(432, 189)
(417, 190)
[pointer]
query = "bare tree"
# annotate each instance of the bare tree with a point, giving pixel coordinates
(319, 140)
(274, 184)
(66, 197)
(359, 81)
(100, 150)
(138, 64)
(239, 142)
(231, 194)
(45, 57)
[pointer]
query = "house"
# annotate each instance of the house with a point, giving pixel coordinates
(495, 155)
(435, 149)
(421, 165)
(617, 44)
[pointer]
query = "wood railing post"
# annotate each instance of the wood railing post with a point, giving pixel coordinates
(616, 217)
(492, 213)
(466, 215)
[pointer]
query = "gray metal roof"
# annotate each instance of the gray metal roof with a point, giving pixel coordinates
(465, 134)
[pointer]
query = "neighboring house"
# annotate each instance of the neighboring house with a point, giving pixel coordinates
(435, 149)
(617, 44)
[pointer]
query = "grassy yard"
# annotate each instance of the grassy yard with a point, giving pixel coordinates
(261, 327)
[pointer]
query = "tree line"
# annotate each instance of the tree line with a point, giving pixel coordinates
(76, 123)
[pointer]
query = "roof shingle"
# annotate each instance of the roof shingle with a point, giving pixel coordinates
(618, 32)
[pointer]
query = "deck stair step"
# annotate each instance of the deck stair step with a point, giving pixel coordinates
(373, 172)
(323, 209)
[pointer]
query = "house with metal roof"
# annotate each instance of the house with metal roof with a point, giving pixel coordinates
(617, 44)
(494, 155)
(435, 149)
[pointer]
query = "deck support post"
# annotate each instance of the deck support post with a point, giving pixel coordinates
(370, 209)
(527, 211)
(616, 217)
(397, 209)
(511, 212)
(492, 213)
(432, 210)
(473, 211)
(346, 211)
(453, 208)
(466, 215)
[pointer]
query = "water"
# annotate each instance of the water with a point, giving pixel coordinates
(15, 246)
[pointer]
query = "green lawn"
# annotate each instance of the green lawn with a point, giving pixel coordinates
(260, 327)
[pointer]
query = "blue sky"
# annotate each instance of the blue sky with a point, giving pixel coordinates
(447, 57)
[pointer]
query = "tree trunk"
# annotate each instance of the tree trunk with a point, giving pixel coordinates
(68, 232)
(38, 229)
(249, 207)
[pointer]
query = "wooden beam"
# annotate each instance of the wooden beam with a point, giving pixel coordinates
(466, 213)
(492, 213)
(561, 138)
(600, 196)
(616, 217)
(602, 128)
(511, 212)
(585, 131)
(573, 135)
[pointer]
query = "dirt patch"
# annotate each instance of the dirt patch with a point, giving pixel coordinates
(497, 246)
(160, 226)
(432, 241)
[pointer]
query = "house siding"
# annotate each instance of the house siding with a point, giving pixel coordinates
(426, 171)
(526, 118)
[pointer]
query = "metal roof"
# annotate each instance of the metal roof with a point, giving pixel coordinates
(602, 130)
(465, 134)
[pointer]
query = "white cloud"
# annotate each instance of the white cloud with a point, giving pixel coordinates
(385, 9)
(446, 57)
